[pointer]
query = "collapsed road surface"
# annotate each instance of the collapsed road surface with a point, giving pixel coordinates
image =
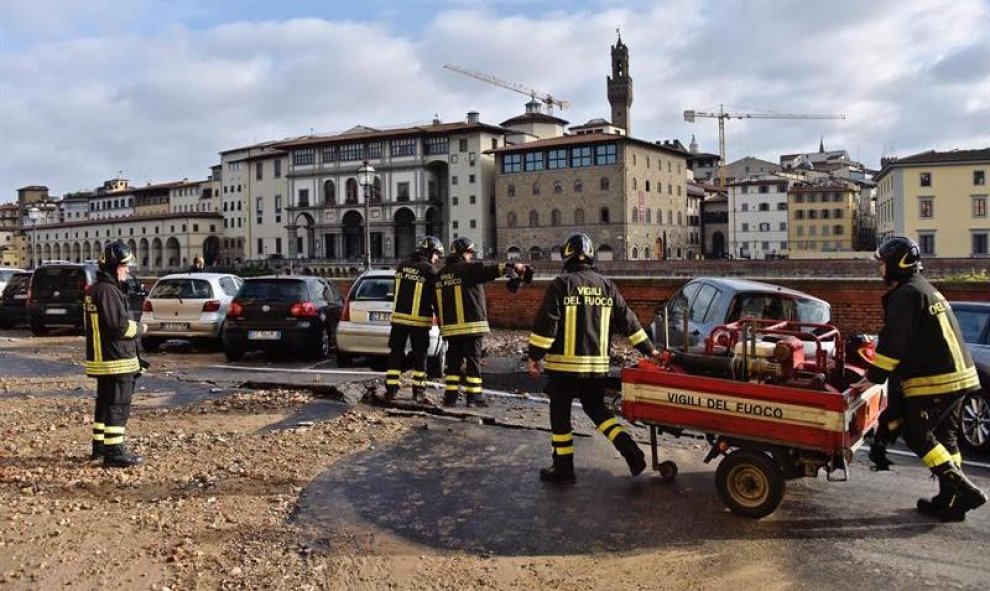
(275, 488)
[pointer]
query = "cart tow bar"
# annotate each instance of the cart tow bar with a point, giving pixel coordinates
(840, 465)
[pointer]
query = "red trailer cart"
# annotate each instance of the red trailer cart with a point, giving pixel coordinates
(773, 399)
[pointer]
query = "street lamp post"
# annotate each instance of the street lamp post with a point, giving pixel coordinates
(34, 214)
(366, 176)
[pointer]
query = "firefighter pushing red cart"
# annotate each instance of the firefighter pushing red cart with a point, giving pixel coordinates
(771, 397)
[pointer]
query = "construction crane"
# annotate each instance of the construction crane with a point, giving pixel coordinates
(722, 115)
(543, 97)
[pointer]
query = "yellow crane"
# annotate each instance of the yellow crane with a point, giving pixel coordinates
(722, 115)
(543, 97)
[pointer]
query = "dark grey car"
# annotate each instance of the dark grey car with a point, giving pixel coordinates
(706, 302)
(974, 321)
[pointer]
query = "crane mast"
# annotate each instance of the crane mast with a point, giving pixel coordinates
(543, 97)
(691, 114)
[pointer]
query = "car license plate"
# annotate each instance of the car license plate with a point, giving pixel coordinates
(20, 296)
(56, 311)
(175, 326)
(264, 335)
(380, 316)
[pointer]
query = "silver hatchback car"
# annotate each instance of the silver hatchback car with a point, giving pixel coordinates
(188, 306)
(366, 322)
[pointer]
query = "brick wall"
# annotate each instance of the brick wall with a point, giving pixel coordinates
(855, 302)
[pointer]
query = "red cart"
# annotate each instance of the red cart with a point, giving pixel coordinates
(771, 398)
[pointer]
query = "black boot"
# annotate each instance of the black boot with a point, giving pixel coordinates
(961, 495)
(631, 452)
(390, 394)
(878, 455)
(97, 453)
(118, 456)
(449, 398)
(478, 400)
(562, 471)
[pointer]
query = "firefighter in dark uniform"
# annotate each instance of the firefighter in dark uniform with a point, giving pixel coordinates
(921, 344)
(464, 318)
(412, 316)
(570, 338)
(111, 355)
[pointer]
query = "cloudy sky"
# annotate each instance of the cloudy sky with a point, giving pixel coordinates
(156, 88)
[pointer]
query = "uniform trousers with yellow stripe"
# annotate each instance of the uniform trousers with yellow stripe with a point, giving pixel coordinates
(463, 367)
(562, 390)
(931, 428)
(113, 408)
(419, 338)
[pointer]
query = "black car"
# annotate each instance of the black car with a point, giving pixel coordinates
(283, 313)
(13, 303)
(974, 321)
(56, 296)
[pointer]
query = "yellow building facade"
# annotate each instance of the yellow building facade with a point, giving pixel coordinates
(822, 217)
(939, 199)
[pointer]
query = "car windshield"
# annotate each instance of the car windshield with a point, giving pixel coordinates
(182, 289)
(775, 307)
(972, 323)
(19, 283)
(65, 280)
(6, 275)
(374, 289)
(273, 290)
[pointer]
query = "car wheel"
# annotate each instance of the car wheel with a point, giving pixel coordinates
(320, 349)
(974, 428)
(38, 329)
(344, 359)
(233, 354)
(150, 344)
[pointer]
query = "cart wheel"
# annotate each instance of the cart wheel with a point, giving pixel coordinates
(668, 470)
(750, 483)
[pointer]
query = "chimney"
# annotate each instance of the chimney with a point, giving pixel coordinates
(473, 117)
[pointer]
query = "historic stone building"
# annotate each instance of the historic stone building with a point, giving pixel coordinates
(629, 195)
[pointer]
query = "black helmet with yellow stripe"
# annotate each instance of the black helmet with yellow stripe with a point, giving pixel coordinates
(901, 257)
(577, 245)
(114, 255)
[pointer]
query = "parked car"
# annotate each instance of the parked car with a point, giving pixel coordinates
(56, 296)
(706, 302)
(188, 306)
(279, 312)
(367, 322)
(974, 321)
(5, 274)
(13, 303)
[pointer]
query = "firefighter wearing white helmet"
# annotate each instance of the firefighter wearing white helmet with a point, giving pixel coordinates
(112, 355)
(570, 339)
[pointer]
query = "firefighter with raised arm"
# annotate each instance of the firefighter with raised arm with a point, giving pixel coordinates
(921, 345)
(570, 339)
(112, 355)
(464, 318)
(414, 305)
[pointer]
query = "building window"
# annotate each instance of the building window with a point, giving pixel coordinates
(350, 191)
(744, 207)
(555, 217)
(764, 207)
(403, 147)
(649, 215)
(799, 214)
(558, 187)
(303, 199)
(556, 159)
(536, 188)
(474, 224)
(980, 244)
(472, 158)
(635, 253)
(278, 246)
(634, 216)
(454, 180)
(278, 168)
(605, 154)
(471, 178)
(926, 242)
(374, 150)
(401, 191)
(454, 200)
(578, 186)
(581, 157)
(578, 216)
(837, 214)
(437, 144)
(454, 224)
(744, 189)
(329, 193)
(979, 178)
(511, 163)
(782, 206)
(603, 216)
(328, 154)
(261, 246)
(925, 179)
(799, 199)
(926, 207)
(812, 214)
(511, 219)
(635, 186)
(812, 230)
(351, 152)
(462, 145)
(472, 199)
(764, 226)
(259, 205)
(510, 191)
(534, 161)
(980, 206)
(304, 157)
(534, 218)
(745, 227)
(825, 214)
(799, 231)
(258, 168)
(838, 229)
(782, 227)
(764, 189)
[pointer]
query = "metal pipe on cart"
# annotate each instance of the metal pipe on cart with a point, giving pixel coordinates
(666, 325)
(687, 314)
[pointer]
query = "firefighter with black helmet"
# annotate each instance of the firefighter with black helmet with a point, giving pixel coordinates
(464, 317)
(414, 305)
(571, 338)
(921, 344)
(112, 355)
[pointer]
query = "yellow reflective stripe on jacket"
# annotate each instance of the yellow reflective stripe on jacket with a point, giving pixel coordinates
(936, 457)
(440, 306)
(132, 329)
(958, 361)
(570, 330)
(94, 322)
(885, 363)
(412, 319)
(109, 368)
(606, 320)
(449, 330)
(541, 342)
(458, 305)
(417, 296)
(577, 364)
(637, 337)
(945, 383)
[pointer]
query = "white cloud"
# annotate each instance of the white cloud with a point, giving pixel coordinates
(75, 108)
